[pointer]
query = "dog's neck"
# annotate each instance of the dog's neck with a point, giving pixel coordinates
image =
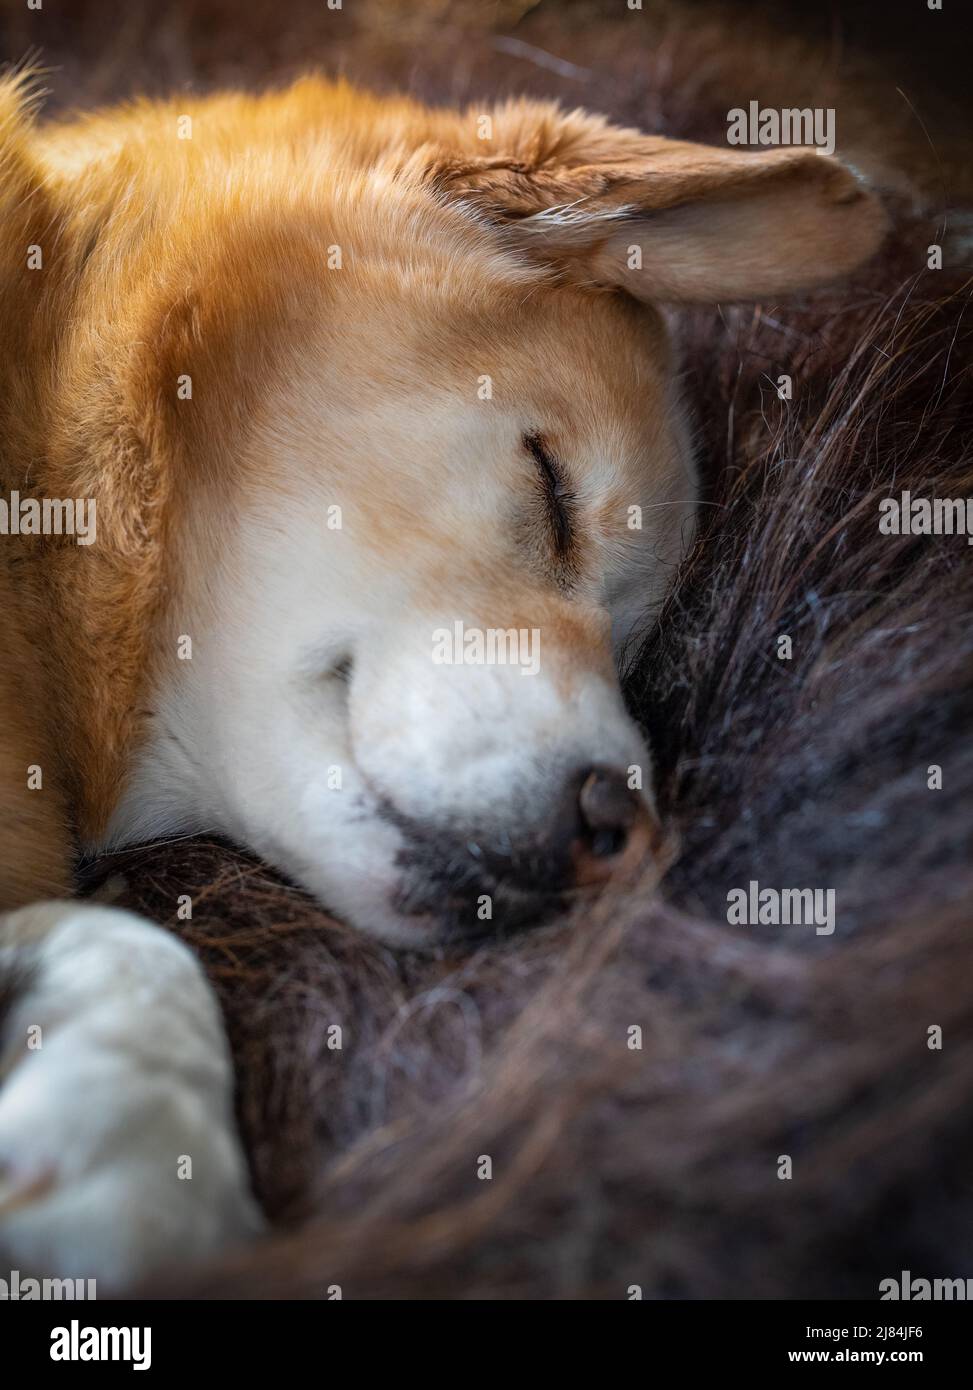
(68, 433)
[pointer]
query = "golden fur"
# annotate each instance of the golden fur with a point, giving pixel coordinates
(165, 255)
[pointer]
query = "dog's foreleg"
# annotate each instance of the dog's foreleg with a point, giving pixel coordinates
(118, 1150)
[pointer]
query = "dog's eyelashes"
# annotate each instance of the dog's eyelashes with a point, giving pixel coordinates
(341, 670)
(557, 494)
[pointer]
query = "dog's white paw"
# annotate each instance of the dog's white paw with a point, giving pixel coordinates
(118, 1150)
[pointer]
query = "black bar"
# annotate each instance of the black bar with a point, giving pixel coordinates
(260, 1338)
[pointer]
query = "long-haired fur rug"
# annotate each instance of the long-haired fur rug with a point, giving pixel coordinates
(655, 1165)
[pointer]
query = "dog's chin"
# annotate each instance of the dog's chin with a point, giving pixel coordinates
(457, 917)
(427, 893)
(423, 912)
(462, 893)
(417, 884)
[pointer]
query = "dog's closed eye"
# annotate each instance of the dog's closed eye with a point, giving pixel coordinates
(556, 494)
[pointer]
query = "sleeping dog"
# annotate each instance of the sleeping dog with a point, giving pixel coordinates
(376, 415)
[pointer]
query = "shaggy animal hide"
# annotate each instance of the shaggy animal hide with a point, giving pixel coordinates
(657, 1166)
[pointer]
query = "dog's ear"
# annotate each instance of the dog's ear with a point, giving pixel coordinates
(665, 219)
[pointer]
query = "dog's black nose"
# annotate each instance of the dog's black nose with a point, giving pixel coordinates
(614, 826)
(596, 829)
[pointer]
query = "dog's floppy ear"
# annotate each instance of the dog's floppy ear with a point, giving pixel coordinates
(665, 219)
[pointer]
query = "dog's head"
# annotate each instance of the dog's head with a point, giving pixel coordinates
(433, 474)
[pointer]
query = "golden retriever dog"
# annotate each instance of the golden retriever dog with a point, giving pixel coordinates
(342, 453)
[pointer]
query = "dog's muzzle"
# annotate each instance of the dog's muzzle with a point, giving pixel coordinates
(598, 830)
